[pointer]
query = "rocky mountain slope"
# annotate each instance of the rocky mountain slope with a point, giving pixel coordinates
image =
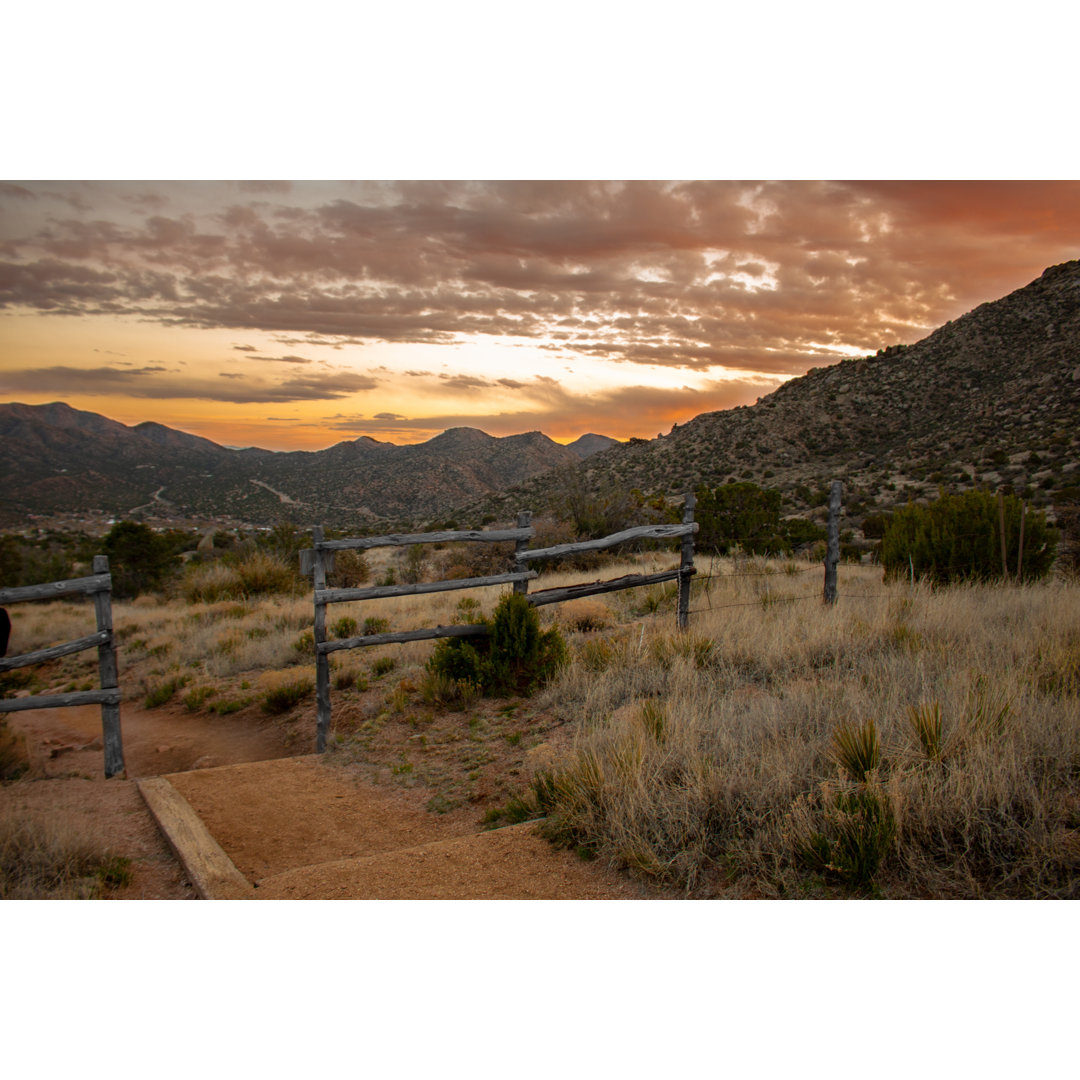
(991, 399)
(56, 459)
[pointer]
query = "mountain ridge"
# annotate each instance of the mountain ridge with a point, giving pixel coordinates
(989, 399)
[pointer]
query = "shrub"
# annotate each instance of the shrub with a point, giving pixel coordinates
(857, 750)
(345, 627)
(159, 693)
(516, 656)
(139, 558)
(263, 573)
(350, 570)
(958, 538)
(740, 514)
(857, 830)
(281, 698)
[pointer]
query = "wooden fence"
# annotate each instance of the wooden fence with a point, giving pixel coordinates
(99, 586)
(318, 561)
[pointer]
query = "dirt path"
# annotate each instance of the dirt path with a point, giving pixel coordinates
(296, 827)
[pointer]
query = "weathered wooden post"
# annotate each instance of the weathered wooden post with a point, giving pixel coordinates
(1020, 551)
(1001, 519)
(832, 552)
(686, 563)
(322, 661)
(107, 669)
(524, 520)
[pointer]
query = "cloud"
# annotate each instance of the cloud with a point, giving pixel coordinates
(561, 414)
(284, 359)
(753, 277)
(146, 383)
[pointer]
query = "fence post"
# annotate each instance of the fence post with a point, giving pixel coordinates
(107, 669)
(832, 553)
(1001, 519)
(322, 661)
(524, 520)
(686, 563)
(1020, 551)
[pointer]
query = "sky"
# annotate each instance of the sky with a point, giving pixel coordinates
(292, 315)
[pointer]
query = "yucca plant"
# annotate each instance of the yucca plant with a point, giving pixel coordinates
(857, 750)
(929, 729)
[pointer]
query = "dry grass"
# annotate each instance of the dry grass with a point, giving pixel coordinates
(773, 751)
(907, 742)
(48, 858)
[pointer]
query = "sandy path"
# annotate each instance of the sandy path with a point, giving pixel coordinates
(296, 827)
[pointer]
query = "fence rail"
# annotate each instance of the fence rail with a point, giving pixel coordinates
(99, 586)
(318, 561)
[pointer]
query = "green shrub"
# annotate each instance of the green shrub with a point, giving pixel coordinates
(345, 627)
(282, 698)
(197, 696)
(159, 693)
(859, 828)
(373, 624)
(740, 514)
(139, 558)
(516, 656)
(958, 538)
(857, 750)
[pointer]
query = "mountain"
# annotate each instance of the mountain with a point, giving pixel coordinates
(590, 444)
(990, 399)
(60, 460)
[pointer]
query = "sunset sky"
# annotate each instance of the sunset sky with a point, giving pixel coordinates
(296, 315)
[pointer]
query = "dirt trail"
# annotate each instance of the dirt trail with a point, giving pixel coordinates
(296, 827)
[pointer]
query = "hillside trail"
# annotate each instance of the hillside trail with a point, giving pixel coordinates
(295, 825)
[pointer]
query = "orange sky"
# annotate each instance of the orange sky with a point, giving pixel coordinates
(296, 315)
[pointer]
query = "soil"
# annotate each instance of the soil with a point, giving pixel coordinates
(295, 825)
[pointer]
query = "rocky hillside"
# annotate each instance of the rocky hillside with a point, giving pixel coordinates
(991, 399)
(59, 460)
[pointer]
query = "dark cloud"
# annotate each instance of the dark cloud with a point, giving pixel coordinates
(757, 277)
(245, 348)
(388, 416)
(146, 382)
(465, 382)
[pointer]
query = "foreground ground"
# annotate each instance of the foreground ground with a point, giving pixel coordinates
(296, 827)
(906, 743)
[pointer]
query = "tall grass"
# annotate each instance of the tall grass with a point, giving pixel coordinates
(50, 859)
(773, 749)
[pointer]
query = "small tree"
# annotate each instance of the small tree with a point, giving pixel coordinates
(958, 538)
(139, 558)
(516, 656)
(740, 513)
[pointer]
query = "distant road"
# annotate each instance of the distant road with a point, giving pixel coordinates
(280, 494)
(155, 498)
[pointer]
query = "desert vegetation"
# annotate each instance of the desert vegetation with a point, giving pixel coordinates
(48, 858)
(909, 742)
(915, 740)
